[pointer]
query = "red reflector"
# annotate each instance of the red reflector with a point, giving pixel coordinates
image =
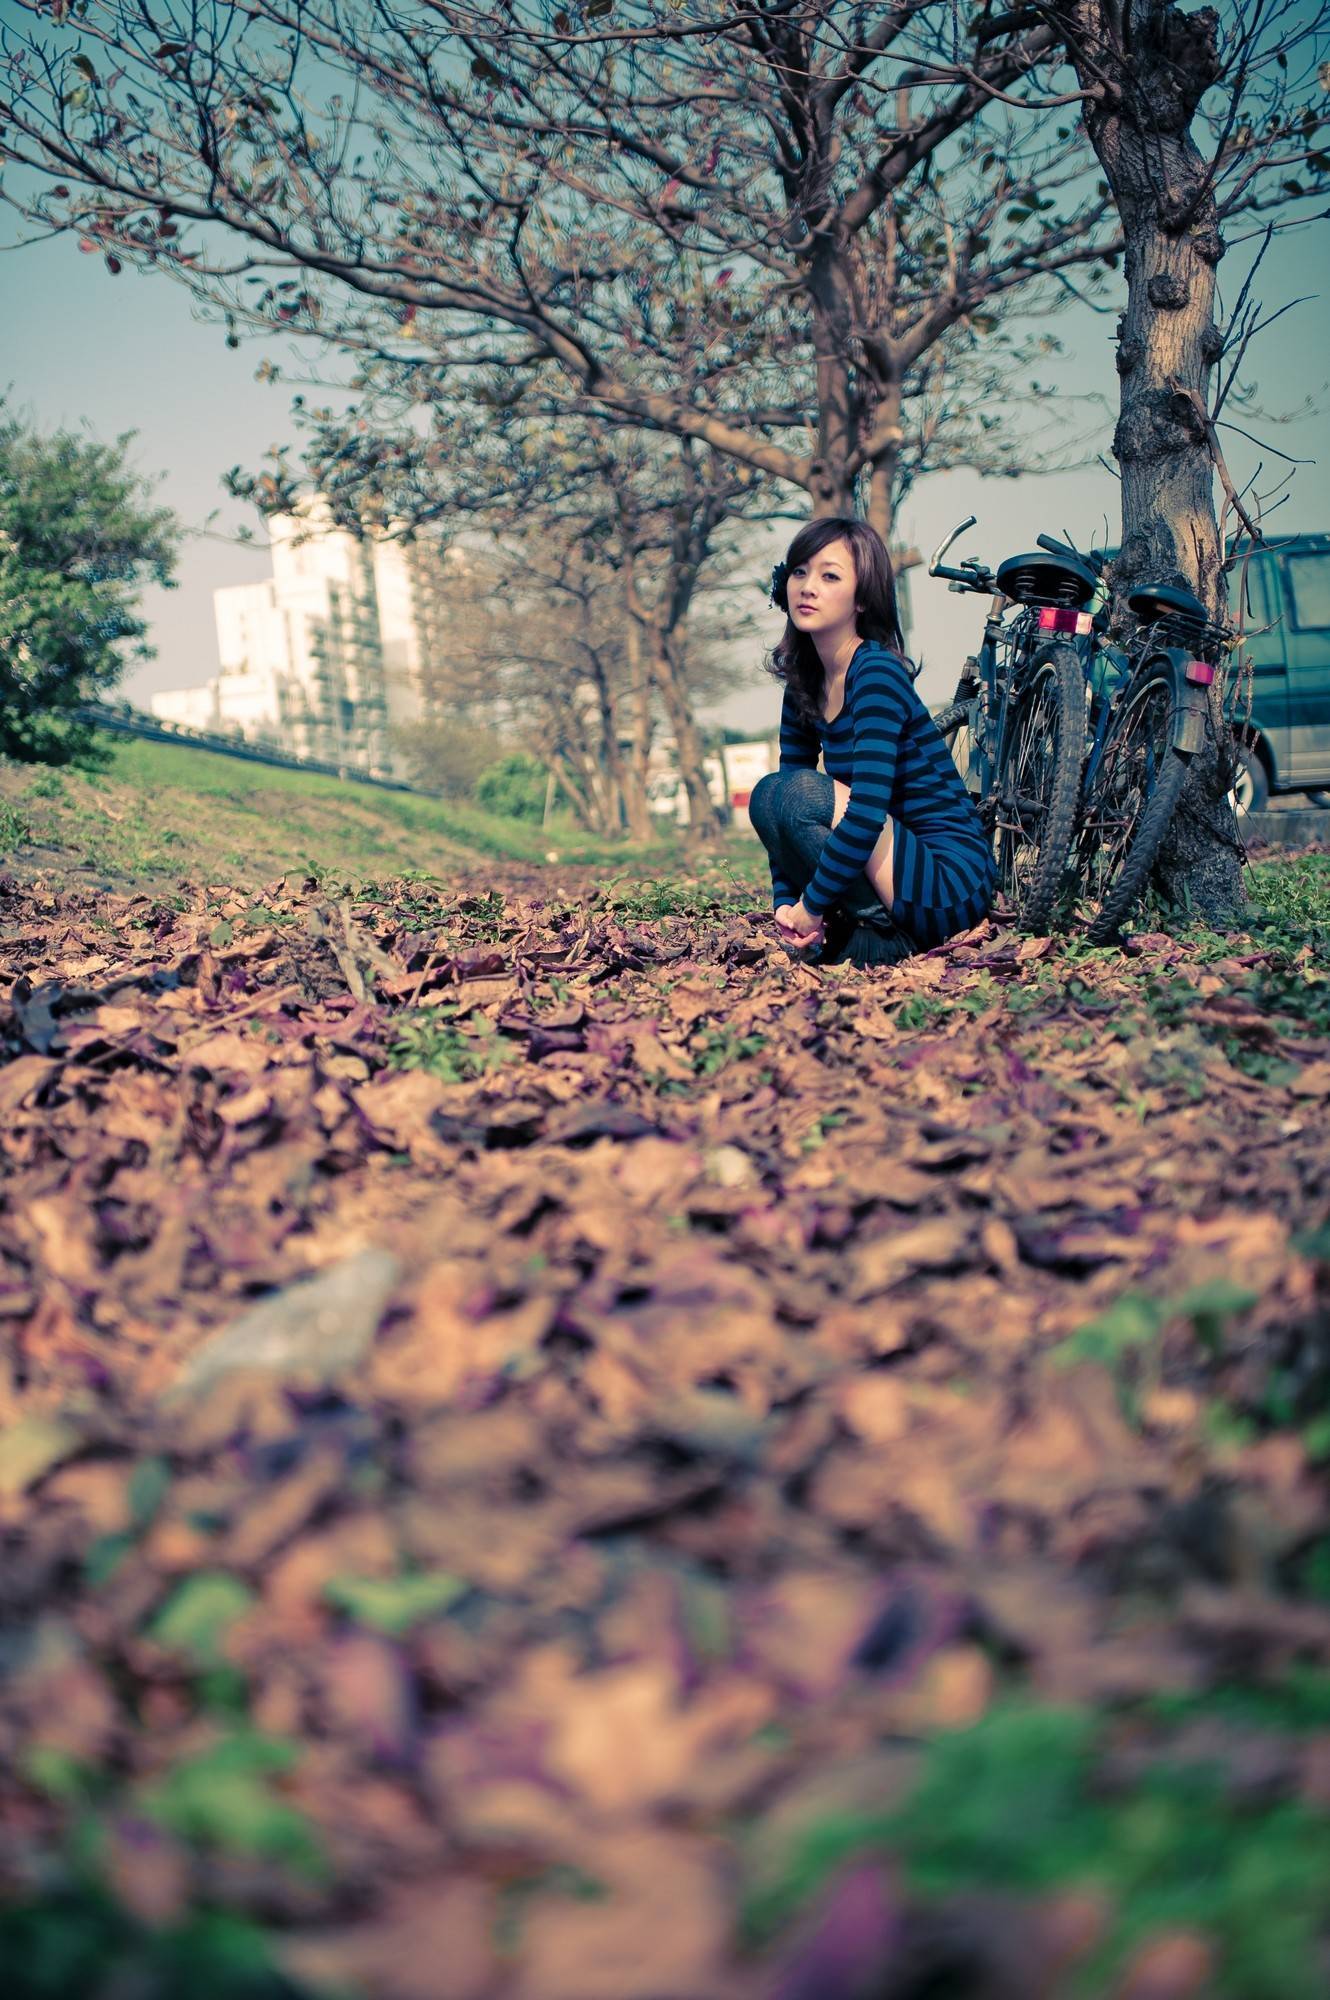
(1055, 618)
(1200, 672)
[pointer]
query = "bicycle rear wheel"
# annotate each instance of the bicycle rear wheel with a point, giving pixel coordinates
(1131, 800)
(951, 720)
(955, 725)
(1039, 785)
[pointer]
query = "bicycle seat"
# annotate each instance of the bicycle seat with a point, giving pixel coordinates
(1045, 579)
(1153, 601)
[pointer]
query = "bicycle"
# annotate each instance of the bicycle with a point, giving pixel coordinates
(1023, 699)
(1147, 725)
(1112, 783)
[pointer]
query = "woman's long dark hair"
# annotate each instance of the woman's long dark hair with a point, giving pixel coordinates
(794, 660)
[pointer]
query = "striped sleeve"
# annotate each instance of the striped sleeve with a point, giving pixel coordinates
(799, 745)
(799, 751)
(877, 692)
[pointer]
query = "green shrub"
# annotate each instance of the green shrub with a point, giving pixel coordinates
(514, 788)
(79, 540)
(449, 759)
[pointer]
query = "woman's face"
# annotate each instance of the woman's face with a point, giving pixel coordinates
(820, 592)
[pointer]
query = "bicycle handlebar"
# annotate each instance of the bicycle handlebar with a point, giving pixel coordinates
(935, 560)
(1097, 559)
(976, 576)
(972, 574)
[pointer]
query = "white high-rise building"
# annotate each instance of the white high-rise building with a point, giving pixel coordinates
(332, 652)
(410, 580)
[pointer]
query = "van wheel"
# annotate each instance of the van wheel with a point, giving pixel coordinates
(1319, 798)
(1250, 792)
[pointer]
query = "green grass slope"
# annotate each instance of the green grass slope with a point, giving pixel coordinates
(161, 812)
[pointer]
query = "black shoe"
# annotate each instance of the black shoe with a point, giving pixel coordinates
(837, 930)
(874, 940)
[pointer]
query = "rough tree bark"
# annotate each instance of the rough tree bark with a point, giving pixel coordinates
(884, 461)
(1145, 66)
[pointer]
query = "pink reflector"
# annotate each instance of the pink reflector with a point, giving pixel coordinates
(1057, 618)
(1200, 672)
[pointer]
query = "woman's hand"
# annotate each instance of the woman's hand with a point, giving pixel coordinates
(798, 928)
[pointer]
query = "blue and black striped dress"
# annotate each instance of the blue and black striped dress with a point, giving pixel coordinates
(886, 747)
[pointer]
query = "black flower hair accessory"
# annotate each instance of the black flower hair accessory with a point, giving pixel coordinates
(780, 576)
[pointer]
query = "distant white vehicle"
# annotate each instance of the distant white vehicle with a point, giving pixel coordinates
(730, 777)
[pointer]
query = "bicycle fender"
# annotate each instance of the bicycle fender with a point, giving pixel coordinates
(1189, 723)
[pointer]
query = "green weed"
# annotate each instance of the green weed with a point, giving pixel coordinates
(661, 1085)
(825, 1122)
(1135, 1318)
(1227, 1429)
(723, 1046)
(1014, 1805)
(80, 1940)
(1314, 1572)
(14, 829)
(225, 1798)
(1300, 993)
(668, 896)
(920, 1010)
(431, 1039)
(984, 994)
(397, 1603)
(481, 918)
(1298, 1701)
(1127, 1339)
(1294, 896)
(1040, 988)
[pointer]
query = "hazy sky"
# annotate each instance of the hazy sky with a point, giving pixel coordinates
(80, 347)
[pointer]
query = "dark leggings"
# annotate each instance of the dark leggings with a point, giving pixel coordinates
(791, 813)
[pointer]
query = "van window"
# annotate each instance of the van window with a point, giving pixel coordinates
(1309, 587)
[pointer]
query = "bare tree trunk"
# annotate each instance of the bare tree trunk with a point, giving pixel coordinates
(1148, 65)
(885, 466)
(583, 812)
(829, 490)
(636, 805)
(703, 818)
(613, 780)
(656, 629)
(579, 764)
(830, 482)
(605, 790)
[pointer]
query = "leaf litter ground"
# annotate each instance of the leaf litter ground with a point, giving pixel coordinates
(549, 1453)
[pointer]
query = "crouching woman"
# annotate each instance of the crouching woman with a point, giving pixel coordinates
(882, 852)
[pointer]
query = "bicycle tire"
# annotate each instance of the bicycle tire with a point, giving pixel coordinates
(1154, 814)
(950, 718)
(1039, 785)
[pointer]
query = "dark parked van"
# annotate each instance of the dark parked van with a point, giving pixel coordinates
(1288, 627)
